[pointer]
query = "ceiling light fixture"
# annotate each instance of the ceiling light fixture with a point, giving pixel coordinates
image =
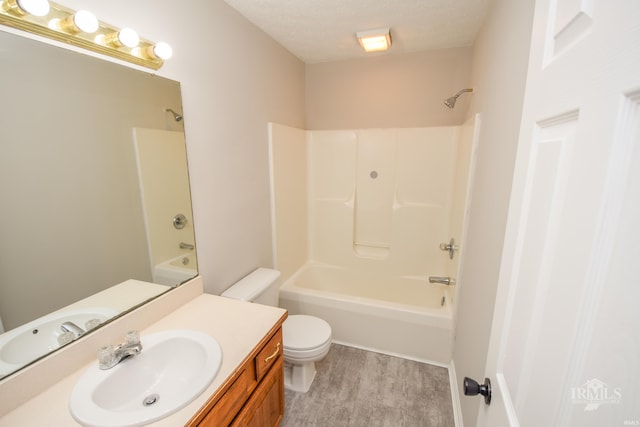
(374, 40)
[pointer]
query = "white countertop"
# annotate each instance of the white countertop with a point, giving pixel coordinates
(237, 326)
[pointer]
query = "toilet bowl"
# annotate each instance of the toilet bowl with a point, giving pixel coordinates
(305, 339)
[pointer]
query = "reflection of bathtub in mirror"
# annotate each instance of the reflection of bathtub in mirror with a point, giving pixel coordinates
(24, 344)
(176, 270)
(79, 160)
(162, 169)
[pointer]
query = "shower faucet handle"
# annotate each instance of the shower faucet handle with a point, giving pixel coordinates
(450, 247)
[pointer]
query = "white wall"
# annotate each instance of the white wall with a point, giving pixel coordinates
(500, 61)
(235, 79)
(388, 91)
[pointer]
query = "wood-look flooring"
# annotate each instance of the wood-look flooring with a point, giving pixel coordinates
(359, 388)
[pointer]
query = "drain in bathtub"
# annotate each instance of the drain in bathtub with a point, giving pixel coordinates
(151, 399)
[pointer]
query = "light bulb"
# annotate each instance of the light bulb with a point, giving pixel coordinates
(125, 37)
(128, 37)
(162, 50)
(81, 21)
(85, 21)
(34, 7)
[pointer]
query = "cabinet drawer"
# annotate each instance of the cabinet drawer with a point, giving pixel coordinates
(271, 351)
(226, 409)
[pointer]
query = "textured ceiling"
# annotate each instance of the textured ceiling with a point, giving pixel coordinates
(324, 30)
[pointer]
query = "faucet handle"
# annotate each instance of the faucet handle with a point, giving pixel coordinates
(107, 357)
(65, 338)
(450, 247)
(132, 338)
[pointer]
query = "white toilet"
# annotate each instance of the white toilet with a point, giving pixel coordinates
(306, 339)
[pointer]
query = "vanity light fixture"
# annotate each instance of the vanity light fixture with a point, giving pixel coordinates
(84, 30)
(374, 40)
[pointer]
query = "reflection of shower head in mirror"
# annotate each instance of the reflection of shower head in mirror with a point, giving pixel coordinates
(451, 102)
(177, 117)
(116, 248)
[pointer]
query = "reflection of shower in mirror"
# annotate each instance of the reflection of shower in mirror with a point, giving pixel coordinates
(162, 169)
(451, 102)
(111, 234)
(177, 117)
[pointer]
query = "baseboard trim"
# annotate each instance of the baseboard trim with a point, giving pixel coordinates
(391, 353)
(455, 395)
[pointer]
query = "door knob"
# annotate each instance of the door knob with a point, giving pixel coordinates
(472, 388)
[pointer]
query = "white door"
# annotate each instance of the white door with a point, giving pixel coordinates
(565, 343)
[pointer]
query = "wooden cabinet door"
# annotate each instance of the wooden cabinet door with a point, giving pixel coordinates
(266, 405)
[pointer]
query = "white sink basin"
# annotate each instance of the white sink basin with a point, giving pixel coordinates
(32, 340)
(173, 369)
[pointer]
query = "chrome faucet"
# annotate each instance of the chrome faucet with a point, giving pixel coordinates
(72, 328)
(184, 245)
(109, 356)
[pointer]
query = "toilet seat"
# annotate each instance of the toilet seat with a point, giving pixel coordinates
(305, 337)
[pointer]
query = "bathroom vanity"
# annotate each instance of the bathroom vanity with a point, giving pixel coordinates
(254, 394)
(247, 391)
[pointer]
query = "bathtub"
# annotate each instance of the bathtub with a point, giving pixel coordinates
(176, 270)
(404, 316)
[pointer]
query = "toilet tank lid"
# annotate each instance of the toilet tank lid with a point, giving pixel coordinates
(249, 287)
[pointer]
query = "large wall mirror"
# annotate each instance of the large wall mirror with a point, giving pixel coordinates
(96, 213)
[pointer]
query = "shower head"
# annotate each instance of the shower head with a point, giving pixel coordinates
(451, 102)
(177, 117)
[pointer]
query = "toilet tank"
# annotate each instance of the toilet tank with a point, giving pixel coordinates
(260, 286)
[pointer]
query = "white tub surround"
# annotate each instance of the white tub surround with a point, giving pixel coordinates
(236, 325)
(358, 219)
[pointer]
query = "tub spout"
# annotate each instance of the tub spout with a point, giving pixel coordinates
(442, 280)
